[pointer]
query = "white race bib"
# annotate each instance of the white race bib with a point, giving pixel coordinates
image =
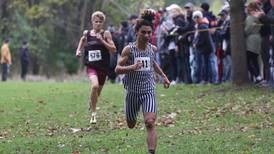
(145, 61)
(94, 55)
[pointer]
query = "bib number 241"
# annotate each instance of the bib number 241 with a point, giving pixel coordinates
(145, 61)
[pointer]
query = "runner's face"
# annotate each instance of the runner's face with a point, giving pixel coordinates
(196, 19)
(145, 33)
(97, 23)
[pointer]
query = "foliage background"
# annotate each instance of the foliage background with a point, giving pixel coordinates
(53, 27)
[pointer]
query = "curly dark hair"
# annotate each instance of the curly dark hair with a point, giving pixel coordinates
(146, 19)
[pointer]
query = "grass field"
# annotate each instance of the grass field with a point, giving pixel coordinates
(53, 118)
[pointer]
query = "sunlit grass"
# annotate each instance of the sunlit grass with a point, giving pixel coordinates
(41, 118)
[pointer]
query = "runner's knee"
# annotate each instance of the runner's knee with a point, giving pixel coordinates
(131, 124)
(95, 87)
(150, 122)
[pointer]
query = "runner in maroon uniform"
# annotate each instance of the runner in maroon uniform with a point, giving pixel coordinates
(98, 45)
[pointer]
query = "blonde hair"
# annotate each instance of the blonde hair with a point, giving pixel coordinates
(99, 15)
(177, 11)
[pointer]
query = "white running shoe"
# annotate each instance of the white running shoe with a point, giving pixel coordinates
(93, 118)
(173, 82)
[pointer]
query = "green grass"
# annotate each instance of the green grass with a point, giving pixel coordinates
(38, 117)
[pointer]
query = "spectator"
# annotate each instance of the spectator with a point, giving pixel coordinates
(182, 52)
(269, 19)
(253, 41)
(209, 15)
(131, 36)
(24, 58)
(265, 32)
(188, 38)
(204, 47)
(123, 30)
(224, 38)
(5, 59)
(169, 27)
(113, 56)
(212, 22)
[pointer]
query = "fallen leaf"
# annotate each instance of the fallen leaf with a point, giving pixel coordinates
(172, 115)
(75, 130)
(244, 129)
(61, 145)
(254, 126)
(75, 152)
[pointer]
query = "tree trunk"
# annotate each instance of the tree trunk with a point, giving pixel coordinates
(83, 15)
(36, 66)
(238, 49)
(2, 7)
(4, 17)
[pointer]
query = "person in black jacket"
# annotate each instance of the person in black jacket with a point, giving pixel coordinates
(265, 33)
(188, 37)
(183, 66)
(268, 19)
(24, 58)
(204, 47)
(223, 41)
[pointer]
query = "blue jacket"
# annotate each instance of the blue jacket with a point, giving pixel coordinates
(24, 55)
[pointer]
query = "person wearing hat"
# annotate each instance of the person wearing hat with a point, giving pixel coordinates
(204, 47)
(189, 10)
(189, 5)
(190, 26)
(223, 42)
(5, 59)
(223, 14)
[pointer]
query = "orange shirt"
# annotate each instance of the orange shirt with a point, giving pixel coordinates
(5, 54)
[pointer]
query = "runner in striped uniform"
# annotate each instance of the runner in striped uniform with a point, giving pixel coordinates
(138, 63)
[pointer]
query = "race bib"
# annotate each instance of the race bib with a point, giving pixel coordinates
(94, 55)
(145, 61)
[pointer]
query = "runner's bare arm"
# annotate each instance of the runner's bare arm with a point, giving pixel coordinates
(109, 42)
(156, 67)
(80, 46)
(159, 71)
(121, 68)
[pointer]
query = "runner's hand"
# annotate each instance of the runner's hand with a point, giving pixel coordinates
(99, 36)
(137, 65)
(166, 82)
(78, 54)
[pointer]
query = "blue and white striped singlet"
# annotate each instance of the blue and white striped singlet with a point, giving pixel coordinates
(142, 80)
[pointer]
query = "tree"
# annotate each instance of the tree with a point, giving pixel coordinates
(238, 49)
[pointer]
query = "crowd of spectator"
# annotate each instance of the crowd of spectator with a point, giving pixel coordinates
(194, 44)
